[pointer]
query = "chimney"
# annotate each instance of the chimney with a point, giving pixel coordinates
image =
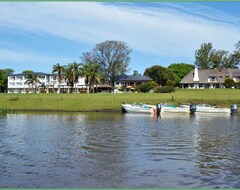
(196, 78)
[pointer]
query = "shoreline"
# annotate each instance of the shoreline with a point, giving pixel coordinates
(60, 111)
(103, 102)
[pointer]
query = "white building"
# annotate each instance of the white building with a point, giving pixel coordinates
(48, 83)
(209, 78)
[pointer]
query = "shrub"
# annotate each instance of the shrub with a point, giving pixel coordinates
(170, 83)
(165, 89)
(229, 82)
(145, 87)
(237, 85)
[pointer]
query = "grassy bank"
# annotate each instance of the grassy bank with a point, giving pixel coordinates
(108, 102)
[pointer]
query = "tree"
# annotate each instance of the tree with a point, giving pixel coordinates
(216, 59)
(147, 86)
(68, 77)
(91, 73)
(206, 57)
(58, 69)
(159, 74)
(180, 69)
(135, 73)
(113, 58)
(75, 73)
(27, 71)
(236, 55)
(3, 78)
(228, 83)
(202, 56)
(32, 79)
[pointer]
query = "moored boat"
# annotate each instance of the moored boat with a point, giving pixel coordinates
(137, 108)
(206, 108)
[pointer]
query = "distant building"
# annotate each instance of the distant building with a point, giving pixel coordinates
(48, 83)
(130, 82)
(209, 78)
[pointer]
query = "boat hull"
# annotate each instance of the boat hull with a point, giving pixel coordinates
(208, 109)
(137, 109)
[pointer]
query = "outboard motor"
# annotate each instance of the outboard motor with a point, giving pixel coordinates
(158, 109)
(192, 109)
(233, 109)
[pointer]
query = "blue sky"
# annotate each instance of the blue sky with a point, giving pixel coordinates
(38, 35)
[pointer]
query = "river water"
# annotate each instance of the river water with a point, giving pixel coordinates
(114, 150)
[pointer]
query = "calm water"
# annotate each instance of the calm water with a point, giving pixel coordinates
(113, 150)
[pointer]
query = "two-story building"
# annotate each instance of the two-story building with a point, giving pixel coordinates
(48, 83)
(209, 78)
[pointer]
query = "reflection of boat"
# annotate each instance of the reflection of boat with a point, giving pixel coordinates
(137, 108)
(206, 108)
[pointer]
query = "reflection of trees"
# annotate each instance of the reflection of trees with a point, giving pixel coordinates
(105, 151)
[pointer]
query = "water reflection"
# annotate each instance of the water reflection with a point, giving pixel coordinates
(112, 150)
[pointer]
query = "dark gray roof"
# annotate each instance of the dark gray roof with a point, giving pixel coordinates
(204, 74)
(141, 78)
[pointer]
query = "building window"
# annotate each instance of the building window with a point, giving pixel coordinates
(41, 77)
(212, 79)
(19, 78)
(236, 79)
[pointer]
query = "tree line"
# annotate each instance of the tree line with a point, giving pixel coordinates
(110, 59)
(209, 58)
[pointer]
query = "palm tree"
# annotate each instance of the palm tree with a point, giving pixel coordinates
(75, 74)
(32, 79)
(72, 73)
(68, 77)
(58, 69)
(91, 72)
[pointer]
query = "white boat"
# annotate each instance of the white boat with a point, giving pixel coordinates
(206, 108)
(170, 108)
(151, 109)
(134, 108)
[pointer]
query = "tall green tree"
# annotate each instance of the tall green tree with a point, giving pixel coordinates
(236, 55)
(208, 58)
(75, 73)
(33, 81)
(3, 78)
(68, 77)
(180, 70)
(91, 73)
(203, 56)
(216, 59)
(58, 69)
(113, 58)
(160, 74)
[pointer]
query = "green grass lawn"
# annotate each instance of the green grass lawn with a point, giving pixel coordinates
(111, 101)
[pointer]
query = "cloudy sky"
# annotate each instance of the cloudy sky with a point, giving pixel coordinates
(38, 35)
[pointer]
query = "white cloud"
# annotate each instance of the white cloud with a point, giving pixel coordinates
(170, 31)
